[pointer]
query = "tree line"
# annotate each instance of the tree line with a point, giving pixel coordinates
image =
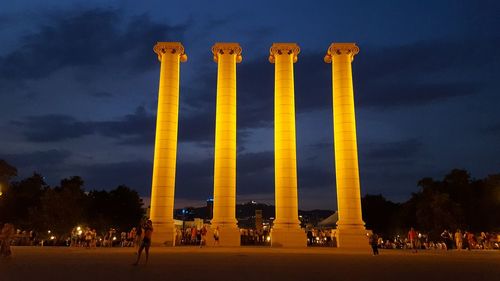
(455, 202)
(31, 204)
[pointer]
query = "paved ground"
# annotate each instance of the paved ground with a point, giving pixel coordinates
(231, 264)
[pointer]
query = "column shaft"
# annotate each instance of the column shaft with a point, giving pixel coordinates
(284, 144)
(224, 216)
(164, 165)
(346, 149)
(351, 232)
(286, 230)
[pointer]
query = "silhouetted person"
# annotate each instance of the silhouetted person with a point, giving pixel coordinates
(6, 236)
(374, 243)
(412, 237)
(147, 230)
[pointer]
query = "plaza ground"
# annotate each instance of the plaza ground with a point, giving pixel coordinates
(247, 263)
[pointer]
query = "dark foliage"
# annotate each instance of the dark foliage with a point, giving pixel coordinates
(32, 204)
(457, 201)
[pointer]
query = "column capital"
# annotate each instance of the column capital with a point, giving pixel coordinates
(338, 49)
(283, 48)
(224, 48)
(170, 47)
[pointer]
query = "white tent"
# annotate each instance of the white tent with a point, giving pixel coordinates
(330, 221)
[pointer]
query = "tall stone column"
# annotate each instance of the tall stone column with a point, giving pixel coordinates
(170, 54)
(226, 55)
(351, 231)
(286, 230)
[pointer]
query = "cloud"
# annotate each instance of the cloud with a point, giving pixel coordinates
(92, 38)
(388, 151)
(136, 128)
(53, 127)
(493, 130)
(37, 158)
(101, 95)
(135, 174)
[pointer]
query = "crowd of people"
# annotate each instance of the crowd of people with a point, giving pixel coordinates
(254, 237)
(449, 240)
(321, 237)
(90, 239)
(194, 236)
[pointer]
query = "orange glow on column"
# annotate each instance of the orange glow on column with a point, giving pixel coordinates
(350, 226)
(226, 55)
(170, 55)
(286, 227)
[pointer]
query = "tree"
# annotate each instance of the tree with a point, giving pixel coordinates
(435, 211)
(7, 172)
(120, 208)
(62, 208)
(380, 214)
(126, 207)
(21, 198)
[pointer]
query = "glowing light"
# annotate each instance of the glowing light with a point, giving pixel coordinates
(170, 54)
(114, 238)
(226, 55)
(52, 237)
(350, 226)
(286, 229)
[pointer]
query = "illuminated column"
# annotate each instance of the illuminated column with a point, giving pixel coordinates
(226, 55)
(170, 54)
(350, 226)
(286, 230)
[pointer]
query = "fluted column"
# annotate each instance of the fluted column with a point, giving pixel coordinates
(350, 226)
(226, 55)
(286, 230)
(170, 54)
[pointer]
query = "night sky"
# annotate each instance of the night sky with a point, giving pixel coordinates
(79, 87)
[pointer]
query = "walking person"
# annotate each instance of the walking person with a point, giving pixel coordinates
(412, 237)
(448, 241)
(203, 235)
(374, 243)
(216, 236)
(147, 230)
(6, 237)
(458, 239)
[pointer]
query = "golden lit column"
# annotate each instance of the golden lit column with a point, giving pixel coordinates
(170, 54)
(226, 55)
(351, 231)
(286, 230)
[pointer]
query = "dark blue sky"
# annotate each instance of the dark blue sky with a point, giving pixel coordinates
(78, 91)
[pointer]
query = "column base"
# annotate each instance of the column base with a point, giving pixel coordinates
(352, 237)
(229, 235)
(283, 236)
(163, 234)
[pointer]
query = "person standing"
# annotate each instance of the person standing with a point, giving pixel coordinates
(147, 230)
(203, 234)
(458, 239)
(412, 237)
(448, 241)
(374, 243)
(216, 236)
(5, 239)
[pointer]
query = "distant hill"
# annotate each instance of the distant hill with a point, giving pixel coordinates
(245, 213)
